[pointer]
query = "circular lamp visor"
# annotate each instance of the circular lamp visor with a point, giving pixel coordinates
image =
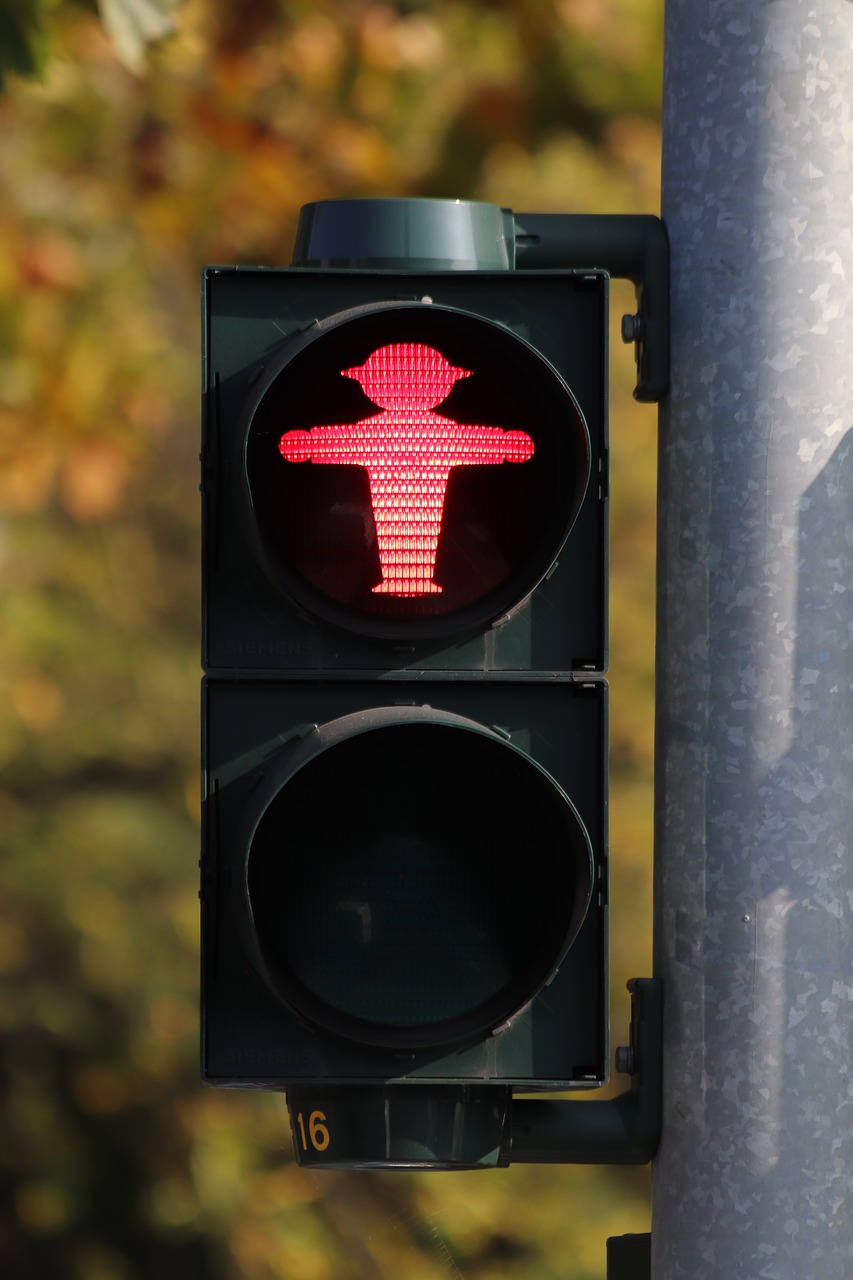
(415, 884)
(412, 471)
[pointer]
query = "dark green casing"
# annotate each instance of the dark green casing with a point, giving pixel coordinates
(533, 676)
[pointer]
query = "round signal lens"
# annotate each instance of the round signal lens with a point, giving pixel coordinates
(412, 471)
(396, 916)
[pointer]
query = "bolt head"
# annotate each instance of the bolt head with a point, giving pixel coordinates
(624, 1060)
(630, 328)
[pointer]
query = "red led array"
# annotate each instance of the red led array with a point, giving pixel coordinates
(408, 451)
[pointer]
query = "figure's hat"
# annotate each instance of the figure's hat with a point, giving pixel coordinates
(406, 375)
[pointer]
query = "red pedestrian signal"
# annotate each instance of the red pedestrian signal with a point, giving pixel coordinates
(408, 451)
(411, 471)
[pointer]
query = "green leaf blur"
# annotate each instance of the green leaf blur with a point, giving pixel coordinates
(135, 158)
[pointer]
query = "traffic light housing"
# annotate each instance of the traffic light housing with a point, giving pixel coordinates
(404, 869)
(291, 561)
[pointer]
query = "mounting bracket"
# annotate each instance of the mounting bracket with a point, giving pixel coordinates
(621, 1130)
(630, 246)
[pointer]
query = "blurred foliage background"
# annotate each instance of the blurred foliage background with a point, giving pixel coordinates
(138, 142)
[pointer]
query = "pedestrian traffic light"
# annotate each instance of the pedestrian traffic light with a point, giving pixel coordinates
(404, 870)
(395, 460)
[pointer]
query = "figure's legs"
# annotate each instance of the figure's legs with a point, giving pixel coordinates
(407, 509)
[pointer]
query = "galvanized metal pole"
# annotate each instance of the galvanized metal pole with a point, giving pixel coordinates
(754, 892)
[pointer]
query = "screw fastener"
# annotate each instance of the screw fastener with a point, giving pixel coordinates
(631, 328)
(625, 1060)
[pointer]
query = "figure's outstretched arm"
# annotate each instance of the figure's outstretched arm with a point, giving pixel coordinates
(478, 446)
(347, 444)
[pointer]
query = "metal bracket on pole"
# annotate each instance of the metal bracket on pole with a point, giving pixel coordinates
(622, 1130)
(630, 246)
(629, 1257)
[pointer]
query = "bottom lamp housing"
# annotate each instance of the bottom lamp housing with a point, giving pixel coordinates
(405, 881)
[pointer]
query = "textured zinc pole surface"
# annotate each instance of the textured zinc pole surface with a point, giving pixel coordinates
(754, 886)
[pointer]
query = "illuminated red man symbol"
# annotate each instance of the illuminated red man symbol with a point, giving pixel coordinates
(408, 451)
